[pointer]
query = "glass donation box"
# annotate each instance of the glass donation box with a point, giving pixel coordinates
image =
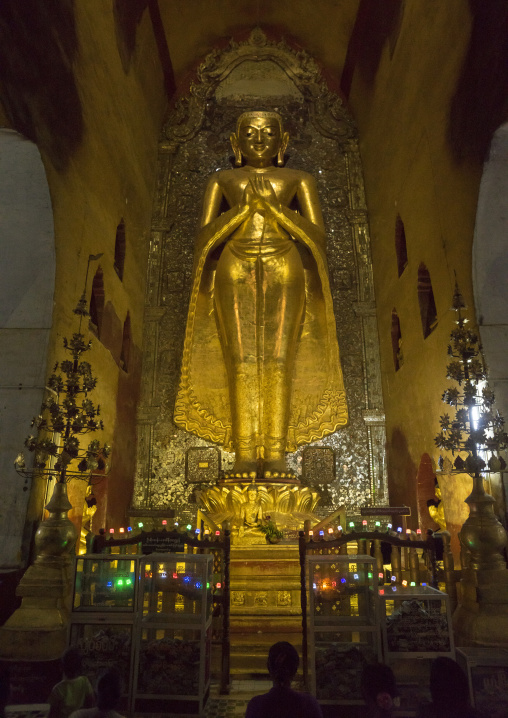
(416, 628)
(103, 616)
(487, 672)
(416, 623)
(343, 625)
(150, 616)
(173, 640)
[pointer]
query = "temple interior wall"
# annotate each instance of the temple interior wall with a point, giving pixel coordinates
(108, 177)
(412, 171)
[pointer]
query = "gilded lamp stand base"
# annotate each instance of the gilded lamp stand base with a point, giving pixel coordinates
(37, 630)
(481, 619)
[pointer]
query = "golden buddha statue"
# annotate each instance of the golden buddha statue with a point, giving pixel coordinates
(260, 370)
(436, 509)
(89, 509)
(250, 518)
(251, 512)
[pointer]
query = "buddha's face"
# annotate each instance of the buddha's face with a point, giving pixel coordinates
(252, 495)
(259, 138)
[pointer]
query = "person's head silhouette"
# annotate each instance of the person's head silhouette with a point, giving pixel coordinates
(109, 689)
(283, 661)
(379, 689)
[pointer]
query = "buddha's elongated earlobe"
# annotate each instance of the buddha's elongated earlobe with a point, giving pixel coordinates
(234, 144)
(282, 149)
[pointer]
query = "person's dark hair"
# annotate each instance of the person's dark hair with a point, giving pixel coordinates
(448, 683)
(71, 663)
(379, 687)
(5, 688)
(283, 661)
(109, 689)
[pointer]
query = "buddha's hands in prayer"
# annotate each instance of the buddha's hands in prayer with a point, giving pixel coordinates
(259, 195)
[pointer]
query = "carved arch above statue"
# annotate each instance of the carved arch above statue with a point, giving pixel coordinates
(328, 111)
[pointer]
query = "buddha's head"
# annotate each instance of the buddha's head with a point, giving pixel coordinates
(259, 138)
(252, 492)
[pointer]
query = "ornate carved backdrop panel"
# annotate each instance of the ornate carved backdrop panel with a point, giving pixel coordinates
(253, 75)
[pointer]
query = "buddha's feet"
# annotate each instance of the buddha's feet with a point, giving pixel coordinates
(244, 471)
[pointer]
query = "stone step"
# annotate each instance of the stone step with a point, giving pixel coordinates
(265, 605)
(251, 664)
(260, 642)
(262, 675)
(265, 552)
(271, 624)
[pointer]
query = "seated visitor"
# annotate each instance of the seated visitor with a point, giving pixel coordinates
(379, 690)
(74, 691)
(98, 541)
(281, 701)
(439, 545)
(449, 690)
(108, 691)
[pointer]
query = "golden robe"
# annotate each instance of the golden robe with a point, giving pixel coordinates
(318, 402)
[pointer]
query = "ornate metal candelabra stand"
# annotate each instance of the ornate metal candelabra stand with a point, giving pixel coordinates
(38, 628)
(475, 436)
(67, 412)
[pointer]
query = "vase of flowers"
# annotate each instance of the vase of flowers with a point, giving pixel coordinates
(271, 532)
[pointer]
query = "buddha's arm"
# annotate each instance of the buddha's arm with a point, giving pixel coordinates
(307, 226)
(308, 200)
(301, 228)
(214, 227)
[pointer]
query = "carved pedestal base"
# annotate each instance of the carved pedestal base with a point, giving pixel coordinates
(481, 619)
(288, 506)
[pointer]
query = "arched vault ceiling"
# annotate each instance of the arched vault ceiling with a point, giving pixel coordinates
(322, 27)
